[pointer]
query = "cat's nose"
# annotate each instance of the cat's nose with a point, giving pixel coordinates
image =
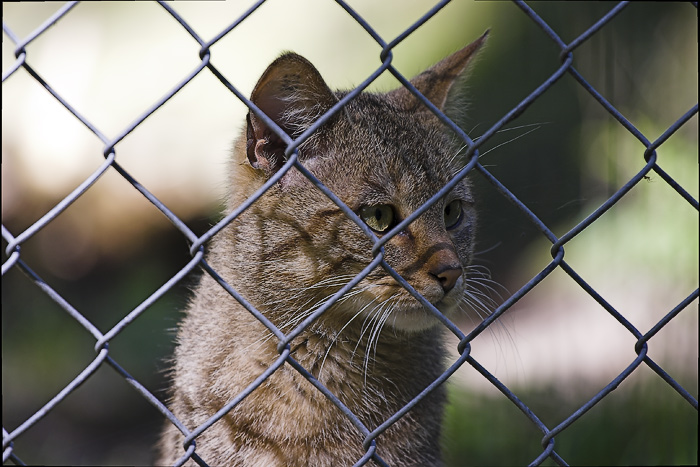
(448, 277)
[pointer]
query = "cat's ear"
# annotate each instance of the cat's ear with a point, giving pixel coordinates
(435, 82)
(294, 95)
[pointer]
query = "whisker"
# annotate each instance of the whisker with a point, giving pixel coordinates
(337, 335)
(382, 313)
(509, 141)
(479, 299)
(527, 125)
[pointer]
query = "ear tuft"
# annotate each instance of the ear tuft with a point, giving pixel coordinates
(435, 82)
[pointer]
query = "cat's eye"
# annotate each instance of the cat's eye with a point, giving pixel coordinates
(379, 217)
(453, 213)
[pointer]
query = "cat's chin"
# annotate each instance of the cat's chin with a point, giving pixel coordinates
(414, 321)
(417, 318)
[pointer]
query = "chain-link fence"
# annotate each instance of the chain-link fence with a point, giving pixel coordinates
(649, 164)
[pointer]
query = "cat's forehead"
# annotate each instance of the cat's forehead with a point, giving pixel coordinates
(387, 154)
(410, 144)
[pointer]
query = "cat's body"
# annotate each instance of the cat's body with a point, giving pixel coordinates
(377, 347)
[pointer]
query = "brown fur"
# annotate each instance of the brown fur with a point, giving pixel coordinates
(376, 348)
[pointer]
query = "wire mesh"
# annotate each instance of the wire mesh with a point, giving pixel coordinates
(565, 52)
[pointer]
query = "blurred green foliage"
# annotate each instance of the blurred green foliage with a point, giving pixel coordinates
(642, 424)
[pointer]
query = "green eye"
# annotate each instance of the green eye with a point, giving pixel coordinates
(453, 214)
(379, 218)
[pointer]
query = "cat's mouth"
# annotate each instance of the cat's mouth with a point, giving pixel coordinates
(399, 309)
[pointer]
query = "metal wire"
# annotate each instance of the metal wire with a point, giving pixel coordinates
(198, 243)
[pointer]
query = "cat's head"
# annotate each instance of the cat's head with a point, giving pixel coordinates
(384, 156)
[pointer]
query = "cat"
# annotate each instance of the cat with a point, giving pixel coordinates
(377, 347)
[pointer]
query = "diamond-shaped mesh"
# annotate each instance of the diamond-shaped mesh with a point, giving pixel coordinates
(650, 164)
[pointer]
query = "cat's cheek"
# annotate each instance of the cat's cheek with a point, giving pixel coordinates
(355, 245)
(463, 239)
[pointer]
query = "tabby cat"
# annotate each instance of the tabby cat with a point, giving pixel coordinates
(375, 349)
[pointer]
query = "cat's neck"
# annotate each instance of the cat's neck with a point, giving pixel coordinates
(371, 361)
